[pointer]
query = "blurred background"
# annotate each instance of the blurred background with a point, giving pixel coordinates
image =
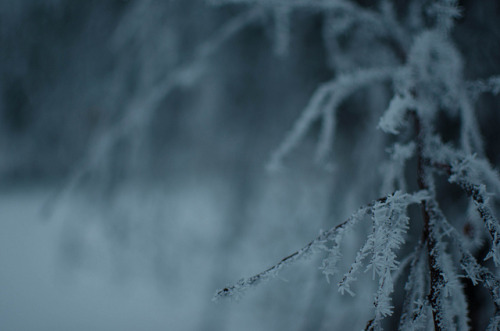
(134, 139)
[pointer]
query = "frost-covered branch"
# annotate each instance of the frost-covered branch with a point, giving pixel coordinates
(442, 277)
(464, 173)
(490, 85)
(444, 282)
(324, 103)
(473, 270)
(317, 244)
(415, 306)
(396, 203)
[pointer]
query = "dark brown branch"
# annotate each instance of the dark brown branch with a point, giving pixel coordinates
(436, 275)
(369, 325)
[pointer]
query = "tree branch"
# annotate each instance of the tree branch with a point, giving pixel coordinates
(436, 274)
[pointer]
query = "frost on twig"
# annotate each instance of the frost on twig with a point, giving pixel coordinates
(395, 203)
(474, 169)
(317, 244)
(282, 27)
(324, 103)
(416, 310)
(473, 270)
(491, 85)
(481, 201)
(445, 13)
(469, 173)
(447, 298)
(393, 117)
(393, 170)
(390, 224)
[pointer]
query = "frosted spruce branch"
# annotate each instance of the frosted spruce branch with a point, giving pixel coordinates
(470, 174)
(407, 261)
(430, 235)
(390, 224)
(468, 263)
(447, 298)
(320, 243)
(459, 173)
(443, 278)
(416, 303)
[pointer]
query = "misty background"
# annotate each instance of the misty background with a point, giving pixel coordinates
(134, 139)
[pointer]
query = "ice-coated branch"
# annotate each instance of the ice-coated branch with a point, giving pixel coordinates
(476, 169)
(479, 196)
(445, 286)
(393, 117)
(430, 233)
(416, 304)
(327, 132)
(390, 223)
(282, 28)
(490, 85)
(446, 12)
(443, 278)
(394, 170)
(373, 324)
(317, 244)
(462, 172)
(473, 270)
(345, 284)
(437, 275)
(325, 101)
(320, 243)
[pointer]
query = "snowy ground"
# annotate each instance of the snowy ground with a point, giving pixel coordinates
(151, 261)
(38, 293)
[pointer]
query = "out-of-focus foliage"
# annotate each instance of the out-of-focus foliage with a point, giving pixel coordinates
(196, 142)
